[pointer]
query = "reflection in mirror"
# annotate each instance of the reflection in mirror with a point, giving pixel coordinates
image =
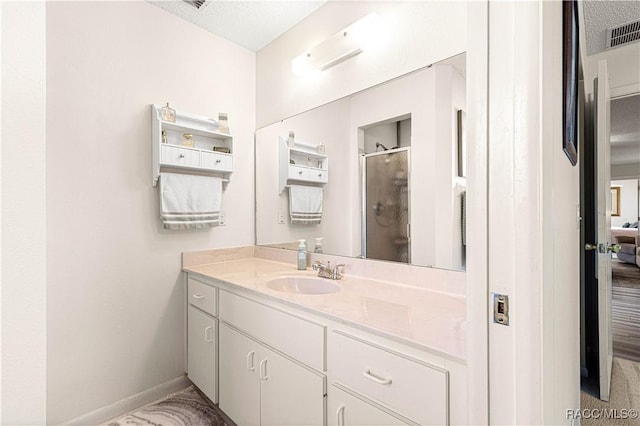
(371, 175)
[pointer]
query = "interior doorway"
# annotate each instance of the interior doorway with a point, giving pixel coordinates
(624, 313)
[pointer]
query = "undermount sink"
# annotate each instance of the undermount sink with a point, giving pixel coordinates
(303, 285)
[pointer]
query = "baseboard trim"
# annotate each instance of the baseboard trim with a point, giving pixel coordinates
(126, 405)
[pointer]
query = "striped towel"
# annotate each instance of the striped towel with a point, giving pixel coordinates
(189, 201)
(305, 204)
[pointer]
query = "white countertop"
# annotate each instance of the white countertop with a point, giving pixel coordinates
(431, 320)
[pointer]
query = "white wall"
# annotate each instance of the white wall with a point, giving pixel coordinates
(23, 213)
(420, 33)
(115, 294)
(533, 230)
(624, 69)
(625, 171)
(628, 202)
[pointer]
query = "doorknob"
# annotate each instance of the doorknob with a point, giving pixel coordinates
(604, 248)
(614, 248)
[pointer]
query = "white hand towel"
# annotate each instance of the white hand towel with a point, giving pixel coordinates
(305, 204)
(190, 201)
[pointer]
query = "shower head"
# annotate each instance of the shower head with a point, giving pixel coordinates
(378, 145)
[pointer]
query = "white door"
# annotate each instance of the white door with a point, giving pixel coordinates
(602, 121)
(238, 377)
(201, 352)
(344, 409)
(289, 393)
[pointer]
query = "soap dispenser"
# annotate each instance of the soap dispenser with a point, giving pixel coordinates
(302, 255)
(318, 246)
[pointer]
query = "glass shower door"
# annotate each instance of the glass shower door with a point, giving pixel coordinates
(386, 206)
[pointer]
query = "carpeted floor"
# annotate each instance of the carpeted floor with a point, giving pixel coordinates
(625, 274)
(625, 394)
(184, 408)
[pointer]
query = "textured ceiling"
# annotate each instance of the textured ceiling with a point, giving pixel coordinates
(600, 15)
(625, 130)
(251, 24)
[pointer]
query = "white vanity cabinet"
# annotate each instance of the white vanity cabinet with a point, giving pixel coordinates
(279, 364)
(212, 150)
(258, 386)
(202, 330)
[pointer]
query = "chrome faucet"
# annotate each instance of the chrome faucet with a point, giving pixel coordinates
(325, 271)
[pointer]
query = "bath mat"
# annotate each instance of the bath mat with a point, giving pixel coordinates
(185, 408)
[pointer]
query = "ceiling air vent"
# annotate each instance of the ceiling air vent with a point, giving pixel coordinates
(623, 34)
(195, 3)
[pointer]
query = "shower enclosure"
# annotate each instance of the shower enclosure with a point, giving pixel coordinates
(385, 212)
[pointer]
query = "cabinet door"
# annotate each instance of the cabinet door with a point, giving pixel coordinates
(289, 393)
(344, 409)
(201, 352)
(239, 383)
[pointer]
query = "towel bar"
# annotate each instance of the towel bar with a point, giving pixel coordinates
(157, 178)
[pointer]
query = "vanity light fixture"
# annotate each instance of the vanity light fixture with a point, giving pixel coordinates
(343, 45)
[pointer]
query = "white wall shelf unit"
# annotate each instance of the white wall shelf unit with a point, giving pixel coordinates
(168, 151)
(302, 163)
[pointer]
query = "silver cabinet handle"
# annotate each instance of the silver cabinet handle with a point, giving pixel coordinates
(251, 361)
(181, 155)
(340, 416)
(263, 370)
(218, 161)
(208, 337)
(198, 296)
(319, 174)
(379, 380)
(300, 172)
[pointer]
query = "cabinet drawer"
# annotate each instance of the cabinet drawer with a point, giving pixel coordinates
(175, 156)
(410, 387)
(317, 175)
(308, 174)
(298, 173)
(216, 161)
(297, 337)
(202, 296)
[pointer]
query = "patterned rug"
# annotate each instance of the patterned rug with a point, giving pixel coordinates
(625, 274)
(185, 408)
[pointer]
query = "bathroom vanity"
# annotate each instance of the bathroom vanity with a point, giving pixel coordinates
(277, 346)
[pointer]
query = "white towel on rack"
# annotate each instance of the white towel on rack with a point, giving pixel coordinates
(305, 204)
(190, 201)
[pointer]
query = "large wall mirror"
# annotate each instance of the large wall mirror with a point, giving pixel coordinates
(379, 174)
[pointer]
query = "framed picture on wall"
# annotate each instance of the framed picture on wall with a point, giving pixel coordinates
(615, 201)
(570, 80)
